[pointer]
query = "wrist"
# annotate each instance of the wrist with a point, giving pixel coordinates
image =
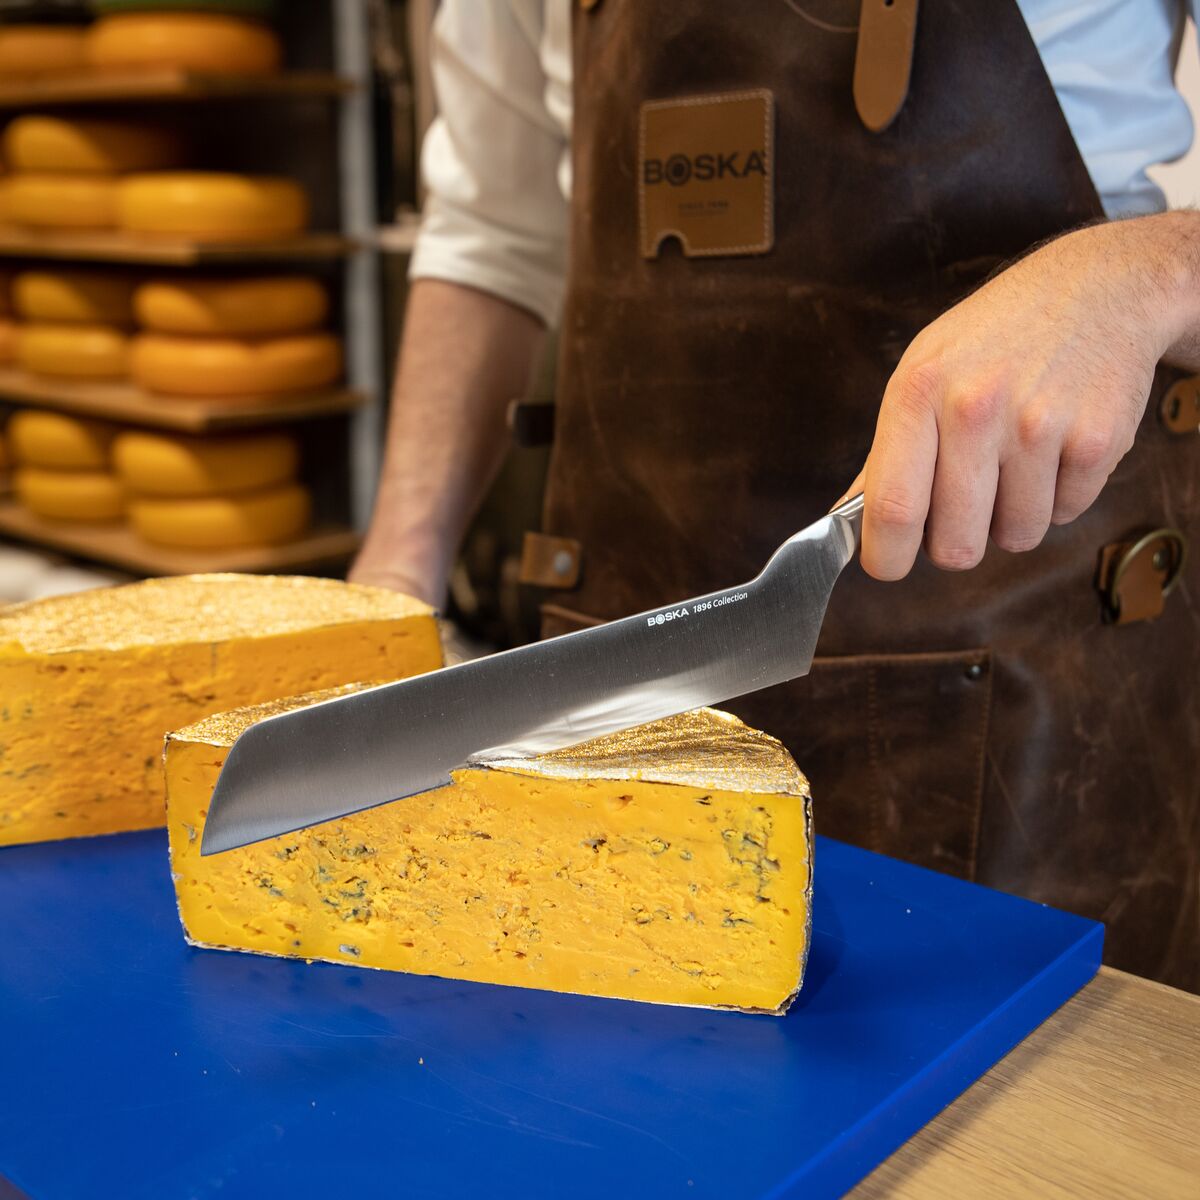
(1171, 254)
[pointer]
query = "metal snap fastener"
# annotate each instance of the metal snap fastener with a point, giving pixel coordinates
(975, 671)
(562, 562)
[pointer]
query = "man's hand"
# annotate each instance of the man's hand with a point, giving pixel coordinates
(1008, 413)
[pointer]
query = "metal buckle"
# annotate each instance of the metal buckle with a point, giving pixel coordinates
(1170, 558)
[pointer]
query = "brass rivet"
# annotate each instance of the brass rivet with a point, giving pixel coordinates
(1159, 561)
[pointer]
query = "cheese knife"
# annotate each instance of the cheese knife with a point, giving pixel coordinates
(349, 753)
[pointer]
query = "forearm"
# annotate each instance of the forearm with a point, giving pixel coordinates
(465, 355)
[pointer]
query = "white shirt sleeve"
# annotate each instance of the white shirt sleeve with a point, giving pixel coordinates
(495, 214)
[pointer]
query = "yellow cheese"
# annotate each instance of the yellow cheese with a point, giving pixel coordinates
(211, 206)
(261, 518)
(43, 143)
(161, 465)
(206, 42)
(76, 351)
(90, 683)
(61, 201)
(76, 297)
(232, 307)
(49, 439)
(8, 342)
(184, 366)
(669, 864)
(37, 49)
(70, 495)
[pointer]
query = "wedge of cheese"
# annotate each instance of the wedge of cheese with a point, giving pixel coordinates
(671, 863)
(91, 683)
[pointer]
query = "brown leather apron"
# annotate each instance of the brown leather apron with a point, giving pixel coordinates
(991, 724)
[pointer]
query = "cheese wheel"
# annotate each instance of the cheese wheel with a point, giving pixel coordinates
(74, 351)
(260, 518)
(212, 206)
(187, 41)
(36, 49)
(70, 495)
(61, 201)
(8, 342)
(41, 143)
(184, 366)
(49, 439)
(75, 297)
(155, 464)
(232, 307)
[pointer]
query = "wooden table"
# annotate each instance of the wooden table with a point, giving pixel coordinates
(1102, 1101)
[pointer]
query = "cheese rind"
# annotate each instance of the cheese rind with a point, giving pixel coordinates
(91, 683)
(188, 41)
(61, 201)
(232, 307)
(670, 864)
(188, 366)
(49, 439)
(46, 143)
(211, 206)
(261, 518)
(74, 351)
(92, 496)
(159, 465)
(75, 297)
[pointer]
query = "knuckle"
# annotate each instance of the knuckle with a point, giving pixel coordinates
(1088, 448)
(978, 408)
(1035, 429)
(917, 387)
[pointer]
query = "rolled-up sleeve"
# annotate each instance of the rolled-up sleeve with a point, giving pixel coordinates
(495, 214)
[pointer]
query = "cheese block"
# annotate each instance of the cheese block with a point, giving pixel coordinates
(50, 439)
(74, 351)
(185, 366)
(76, 297)
(161, 465)
(61, 201)
(90, 683)
(94, 496)
(212, 206)
(45, 143)
(8, 341)
(671, 863)
(261, 518)
(38, 49)
(232, 307)
(186, 41)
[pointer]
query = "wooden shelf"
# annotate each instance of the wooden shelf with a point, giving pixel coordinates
(124, 402)
(82, 87)
(119, 546)
(116, 246)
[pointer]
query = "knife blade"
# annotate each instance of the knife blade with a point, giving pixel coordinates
(384, 743)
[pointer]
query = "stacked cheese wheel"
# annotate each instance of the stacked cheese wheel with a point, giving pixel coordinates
(207, 36)
(213, 493)
(63, 468)
(233, 337)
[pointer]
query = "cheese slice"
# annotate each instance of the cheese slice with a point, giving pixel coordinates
(77, 351)
(159, 464)
(49, 439)
(187, 41)
(38, 49)
(211, 206)
(92, 496)
(671, 863)
(90, 683)
(61, 201)
(75, 297)
(192, 366)
(45, 143)
(253, 307)
(261, 518)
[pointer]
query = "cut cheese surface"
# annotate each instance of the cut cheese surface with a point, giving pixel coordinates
(77, 351)
(162, 465)
(232, 307)
(261, 518)
(49, 439)
(45, 143)
(184, 366)
(671, 863)
(90, 683)
(212, 206)
(94, 496)
(37, 49)
(61, 201)
(74, 297)
(189, 41)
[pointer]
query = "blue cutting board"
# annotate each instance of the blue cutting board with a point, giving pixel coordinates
(135, 1067)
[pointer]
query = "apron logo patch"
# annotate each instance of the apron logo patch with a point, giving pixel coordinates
(705, 174)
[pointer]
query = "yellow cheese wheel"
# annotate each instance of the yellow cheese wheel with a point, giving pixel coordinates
(185, 366)
(35, 49)
(232, 307)
(41, 143)
(212, 42)
(61, 201)
(77, 297)
(155, 464)
(76, 351)
(225, 522)
(211, 205)
(8, 342)
(49, 439)
(70, 495)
